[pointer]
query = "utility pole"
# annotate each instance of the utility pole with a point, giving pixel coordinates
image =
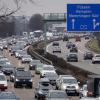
(45, 37)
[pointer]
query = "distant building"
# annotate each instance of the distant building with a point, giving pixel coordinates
(59, 27)
(21, 25)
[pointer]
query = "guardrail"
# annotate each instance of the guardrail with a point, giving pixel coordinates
(39, 57)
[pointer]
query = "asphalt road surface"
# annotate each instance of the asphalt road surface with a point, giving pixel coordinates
(23, 93)
(83, 64)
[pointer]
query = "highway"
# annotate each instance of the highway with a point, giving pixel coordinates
(28, 94)
(23, 93)
(83, 64)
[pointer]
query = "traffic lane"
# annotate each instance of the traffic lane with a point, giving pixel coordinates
(84, 64)
(23, 93)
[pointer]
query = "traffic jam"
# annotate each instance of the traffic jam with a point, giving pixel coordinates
(50, 85)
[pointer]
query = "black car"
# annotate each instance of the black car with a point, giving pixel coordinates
(65, 38)
(52, 77)
(74, 49)
(43, 88)
(88, 55)
(70, 45)
(23, 78)
(87, 37)
(8, 96)
(72, 57)
(8, 69)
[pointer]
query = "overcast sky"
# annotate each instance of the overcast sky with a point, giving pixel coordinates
(43, 6)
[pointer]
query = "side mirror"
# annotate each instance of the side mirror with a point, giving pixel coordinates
(78, 82)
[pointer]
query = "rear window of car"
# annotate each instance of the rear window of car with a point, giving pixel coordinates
(2, 78)
(7, 96)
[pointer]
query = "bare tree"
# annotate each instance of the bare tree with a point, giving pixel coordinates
(6, 11)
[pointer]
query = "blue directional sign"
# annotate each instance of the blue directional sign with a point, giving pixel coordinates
(83, 17)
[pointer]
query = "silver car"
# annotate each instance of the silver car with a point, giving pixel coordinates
(57, 95)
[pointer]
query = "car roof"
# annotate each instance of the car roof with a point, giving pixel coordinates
(44, 80)
(72, 53)
(45, 65)
(8, 96)
(68, 78)
(23, 73)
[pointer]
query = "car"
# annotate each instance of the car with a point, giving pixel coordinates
(21, 54)
(87, 37)
(96, 58)
(38, 68)
(57, 95)
(56, 49)
(84, 90)
(23, 78)
(88, 55)
(68, 84)
(26, 59)
(72, 57)
(33, 64)
(17, 53)
(52, 77)
(77, 38)
(55, 43)
(70, 45)
(14, 49)
(7, 95)
(12, 75)
(8, 69)
(1, 47)
(3, 82)
(47, 69)
(65, 38)
(74, 49)
(42, 89)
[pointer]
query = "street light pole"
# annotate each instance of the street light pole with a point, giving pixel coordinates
(45, 37)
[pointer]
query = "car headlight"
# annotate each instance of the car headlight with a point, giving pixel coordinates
(30, 80)
(63, 87)
(40, 92)
(77, 88)
(17, 80)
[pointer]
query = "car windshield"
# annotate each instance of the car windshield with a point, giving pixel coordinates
(70, 81)
(2, 78)
(45, 83)
(7, 96)
(48, 68)
(97, 55)
(58, 95)
(72, 55)
(85, 87)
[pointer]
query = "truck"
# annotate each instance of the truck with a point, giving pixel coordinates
(93, 86)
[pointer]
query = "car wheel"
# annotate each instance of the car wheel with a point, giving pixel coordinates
(15, 86)
(31, 86)
(35, 96)
(93, 62)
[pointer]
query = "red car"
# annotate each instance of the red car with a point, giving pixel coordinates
(77, 38)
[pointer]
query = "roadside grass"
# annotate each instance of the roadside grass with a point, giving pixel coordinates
(93, 45)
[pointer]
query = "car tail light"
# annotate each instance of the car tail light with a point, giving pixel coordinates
(89, 94)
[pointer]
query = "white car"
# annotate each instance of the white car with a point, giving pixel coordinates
(56, 49)
(3, 82)
(96, 58)
(26, 58)
(47, 69)
(69, 84)
(84, 90)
